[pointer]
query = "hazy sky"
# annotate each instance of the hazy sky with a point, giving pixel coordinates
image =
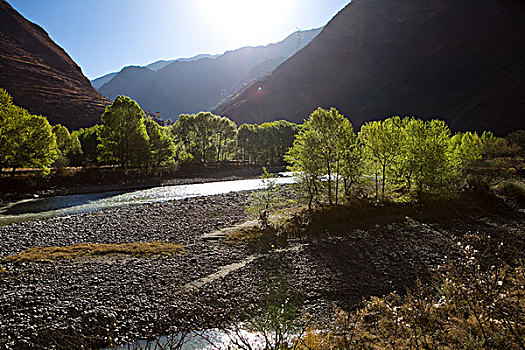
(103, 36)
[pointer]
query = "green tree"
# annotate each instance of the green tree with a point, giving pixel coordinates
(423, 160)
(161, 145)
(303, 160)
(325, 146)
(123, 136)
(26, 140)
(68, 146)
(246, 141)
(207, 137)
(224, 137)
(381, 141)
(89, 141)
(464, 150)
(9, 115)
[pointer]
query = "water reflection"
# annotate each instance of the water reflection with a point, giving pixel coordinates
(40, 208)
(39, 205)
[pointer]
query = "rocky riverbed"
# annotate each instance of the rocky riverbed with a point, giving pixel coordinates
(336, 258)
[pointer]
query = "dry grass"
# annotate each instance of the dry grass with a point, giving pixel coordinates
(244, 236)
(90, 250)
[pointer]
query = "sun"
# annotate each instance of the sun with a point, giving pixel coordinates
(246, 21)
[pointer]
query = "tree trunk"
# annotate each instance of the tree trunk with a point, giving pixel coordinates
(377, 187)
(329, 185)
(384, 178)
(337, 183)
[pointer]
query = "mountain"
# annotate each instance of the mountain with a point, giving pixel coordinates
(155, 66)
(461, 61)
(190, 86)
(41, 76)
(163, 63)
(97, 83)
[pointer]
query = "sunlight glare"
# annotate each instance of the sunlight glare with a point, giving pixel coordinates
(246, 22)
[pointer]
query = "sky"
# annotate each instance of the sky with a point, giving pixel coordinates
(103, 36)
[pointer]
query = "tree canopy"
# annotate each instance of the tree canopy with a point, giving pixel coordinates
(325, 146)
(26, 140)
(123, 136)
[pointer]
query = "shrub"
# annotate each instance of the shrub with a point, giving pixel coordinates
(513, 192)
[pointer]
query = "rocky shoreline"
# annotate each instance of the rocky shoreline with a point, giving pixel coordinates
(359, 252)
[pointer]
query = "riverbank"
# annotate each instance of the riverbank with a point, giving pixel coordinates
(333, 257)
(102, 179)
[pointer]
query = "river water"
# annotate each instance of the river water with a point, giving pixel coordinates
(47, 207)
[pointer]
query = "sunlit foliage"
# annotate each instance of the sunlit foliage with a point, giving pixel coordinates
(123, 136)
(26, 140)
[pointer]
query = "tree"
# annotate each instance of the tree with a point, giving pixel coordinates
(264, 201)
(463, 151)
(224, 135)
(8, 125)
(26, 140)
(381, 141)
(325, 146)
(68, 146)
(123, 137)
(89, 141)
(161, 145)
(423, 158)
(303, 160)
(246, 141)
(207, 137)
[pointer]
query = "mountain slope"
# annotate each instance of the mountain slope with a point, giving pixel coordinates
(192, 86)
(462, 61)
(98, 82)
(41, 76)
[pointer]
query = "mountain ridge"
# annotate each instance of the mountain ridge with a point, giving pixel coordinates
(189, 87)
(41, 76)
(403, 57)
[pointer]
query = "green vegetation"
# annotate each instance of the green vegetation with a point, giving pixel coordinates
(161, 146)
(398, 157)
(128, 138)
(26, 140)
(89, 141)
(266, 143)
(90, 250)
(205, 137)
(123, 137)
(325, 146)
(68, 147)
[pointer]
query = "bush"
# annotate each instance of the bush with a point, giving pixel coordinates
(513, 192)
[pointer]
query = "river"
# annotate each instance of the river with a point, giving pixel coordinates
(55, 206)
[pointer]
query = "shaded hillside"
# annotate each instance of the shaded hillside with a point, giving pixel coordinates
(461, 61)
(192, 86)
(41, 76)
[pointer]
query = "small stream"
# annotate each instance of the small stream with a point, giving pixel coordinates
(210, 339)
(56, 206)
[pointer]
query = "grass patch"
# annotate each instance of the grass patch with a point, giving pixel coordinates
(90, 250)
(244, 236)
